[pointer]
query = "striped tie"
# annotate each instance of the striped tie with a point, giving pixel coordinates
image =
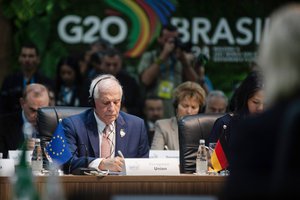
(106, 143)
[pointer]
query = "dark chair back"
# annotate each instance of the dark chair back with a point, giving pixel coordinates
(191, 129)
(48, 117)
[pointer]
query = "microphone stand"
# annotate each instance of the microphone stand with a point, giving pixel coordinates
(81, 170)
(226, 172)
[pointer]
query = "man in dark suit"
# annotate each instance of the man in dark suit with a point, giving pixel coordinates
(15, 127)
(87, 131)
(265, 149)
(153, 110)
(14, 84)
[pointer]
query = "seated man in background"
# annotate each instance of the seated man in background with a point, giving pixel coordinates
(103, 130)
(216, 102)
(18, 126)
(153, 111)
(112, 63)
(14, 84)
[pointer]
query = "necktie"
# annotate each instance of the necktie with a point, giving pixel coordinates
(106, 143)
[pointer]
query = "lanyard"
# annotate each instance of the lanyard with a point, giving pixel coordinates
(163, 68)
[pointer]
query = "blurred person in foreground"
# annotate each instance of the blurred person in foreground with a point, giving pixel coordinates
(189, 97)
(104, 130)
(153, 110)
(216, 102)
(18, 126)
(265, 148)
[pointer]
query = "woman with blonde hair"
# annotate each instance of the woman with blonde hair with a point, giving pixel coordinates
(188, 99)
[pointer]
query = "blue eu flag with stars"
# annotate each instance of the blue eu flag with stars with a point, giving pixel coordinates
(58, 148)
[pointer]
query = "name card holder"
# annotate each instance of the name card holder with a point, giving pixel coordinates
(7, 167)
(151, 166)
(164, 154)
(16, 155)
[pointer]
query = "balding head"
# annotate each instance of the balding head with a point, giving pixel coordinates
(216, 102)
(34, 96)
(35, 90)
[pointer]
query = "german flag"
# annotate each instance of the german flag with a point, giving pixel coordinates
(219, 157)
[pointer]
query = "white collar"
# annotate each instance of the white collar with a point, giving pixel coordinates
(100, 124)
(28, 129)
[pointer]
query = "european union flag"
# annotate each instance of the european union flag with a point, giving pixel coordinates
(57, 149)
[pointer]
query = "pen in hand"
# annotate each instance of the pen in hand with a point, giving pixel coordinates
(120, 154)
(123, 167)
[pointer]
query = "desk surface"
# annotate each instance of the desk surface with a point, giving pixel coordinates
(77, 187)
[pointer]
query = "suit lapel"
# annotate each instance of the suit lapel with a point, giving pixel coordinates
(92, 132)
(122, 136)
(174, 124)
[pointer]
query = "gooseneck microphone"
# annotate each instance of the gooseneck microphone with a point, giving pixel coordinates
(80, 170)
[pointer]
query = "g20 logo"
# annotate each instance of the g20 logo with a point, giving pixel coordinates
(74, 29)
(145, 19)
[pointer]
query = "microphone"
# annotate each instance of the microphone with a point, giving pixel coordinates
(81, 170)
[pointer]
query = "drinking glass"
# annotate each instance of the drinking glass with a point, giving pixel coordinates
(212, 147)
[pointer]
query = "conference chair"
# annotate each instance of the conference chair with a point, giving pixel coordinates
(47, 120)
(48, 117)
(191, 129)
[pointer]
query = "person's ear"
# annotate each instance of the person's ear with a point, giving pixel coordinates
(22, 102)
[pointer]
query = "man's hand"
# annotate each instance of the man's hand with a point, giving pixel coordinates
(112, 164)
(30, 144)
(168, 48)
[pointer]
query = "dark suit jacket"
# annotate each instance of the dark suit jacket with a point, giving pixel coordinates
(217, 129)
(264, 153)
(82, 129)
(11, 135)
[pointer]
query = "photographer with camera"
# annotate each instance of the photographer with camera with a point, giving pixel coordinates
(162, 69)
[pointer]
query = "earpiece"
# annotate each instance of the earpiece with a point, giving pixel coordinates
(91, 97)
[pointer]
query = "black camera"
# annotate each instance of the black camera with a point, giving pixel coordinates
(185, 46)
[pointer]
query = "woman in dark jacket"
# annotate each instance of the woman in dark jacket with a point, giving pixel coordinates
(248, 99)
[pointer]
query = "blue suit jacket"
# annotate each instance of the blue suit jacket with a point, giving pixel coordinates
(82, 129)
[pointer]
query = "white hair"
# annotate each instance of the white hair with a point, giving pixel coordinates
(279, 54)
(106, 82)
(216, 93)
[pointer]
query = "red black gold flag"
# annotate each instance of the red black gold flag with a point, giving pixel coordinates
(219, 158)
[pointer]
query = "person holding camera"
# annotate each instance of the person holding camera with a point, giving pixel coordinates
(163, 69)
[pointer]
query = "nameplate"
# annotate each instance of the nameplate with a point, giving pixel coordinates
(164, 154)
(16, 155)
(151, 166)
(7, 167)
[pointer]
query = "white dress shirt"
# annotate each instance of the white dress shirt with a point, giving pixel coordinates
(100, 126)
(28, 129)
